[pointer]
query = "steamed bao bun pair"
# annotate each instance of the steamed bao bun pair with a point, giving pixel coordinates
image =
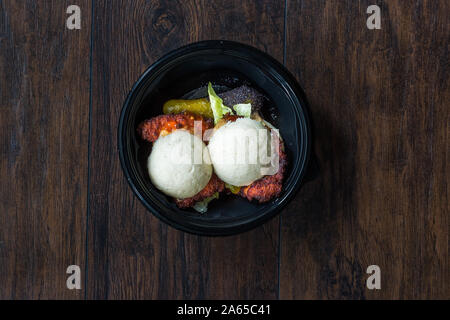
(181, 165)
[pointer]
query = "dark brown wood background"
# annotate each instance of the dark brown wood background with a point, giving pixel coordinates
(379, 102)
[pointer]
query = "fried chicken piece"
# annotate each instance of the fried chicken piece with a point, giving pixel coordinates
(230, 118)
(151, 129)
(214, 185)
(268, 187)
(262, 190)
(162, 125)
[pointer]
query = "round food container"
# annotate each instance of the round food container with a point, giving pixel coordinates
(229, 65)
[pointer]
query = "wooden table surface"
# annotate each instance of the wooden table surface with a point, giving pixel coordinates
(379, 101)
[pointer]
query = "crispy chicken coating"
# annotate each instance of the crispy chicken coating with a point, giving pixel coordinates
(262, 190)
(151, 129)
(214, 185)
(268, 187)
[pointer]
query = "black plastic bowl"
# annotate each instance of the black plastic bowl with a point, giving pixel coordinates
(223, 63)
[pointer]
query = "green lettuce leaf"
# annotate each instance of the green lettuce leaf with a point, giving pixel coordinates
(202, 206)
(243, 109)
(217, 106)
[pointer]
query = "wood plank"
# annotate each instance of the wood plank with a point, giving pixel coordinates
(379, 101)
(44, 94)
(131, 253)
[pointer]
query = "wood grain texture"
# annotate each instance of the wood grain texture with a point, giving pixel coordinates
(379, 102)
(44, 103)
(132, 255)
